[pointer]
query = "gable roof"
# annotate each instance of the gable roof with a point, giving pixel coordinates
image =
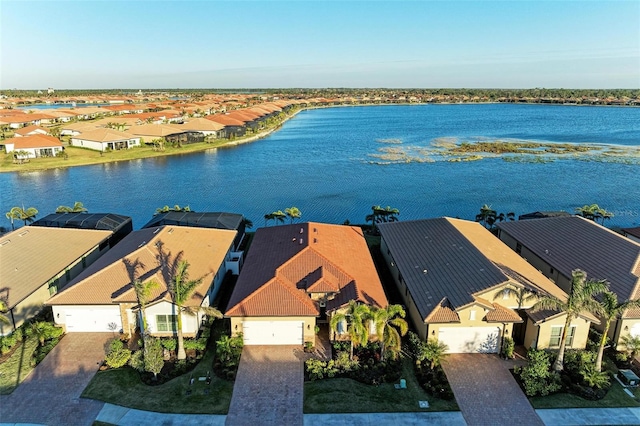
(32, 128)
(109, 281)
(52, 250)
(104, 135)
(287, 262)
(33, 141)
(568, 243)
(445, 262)
(159, 130)
(202, 124)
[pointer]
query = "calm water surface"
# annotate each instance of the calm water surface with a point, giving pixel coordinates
(319, 162)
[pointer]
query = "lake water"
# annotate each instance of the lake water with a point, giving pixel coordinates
(60, 106)
(320, 161)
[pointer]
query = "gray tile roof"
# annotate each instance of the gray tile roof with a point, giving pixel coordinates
(568, 243)
(436, 261)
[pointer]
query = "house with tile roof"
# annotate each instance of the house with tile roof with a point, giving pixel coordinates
(103, 139)
(460, 285)
(33, 146)
(30, 131)
(556, 246)
(37, 262)
(299, 274)
(102, 298)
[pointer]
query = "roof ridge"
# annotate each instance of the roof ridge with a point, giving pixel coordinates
(350, 278)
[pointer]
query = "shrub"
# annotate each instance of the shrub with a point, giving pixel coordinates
(169, 344)
(118, 355)
(43, 331)
(508, 346)
(42, 351)
(594, 378)
(153, 360)
(137, 361)
(195, 344)
(537, 377)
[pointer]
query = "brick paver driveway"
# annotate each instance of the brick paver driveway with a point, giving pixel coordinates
(51, 393)
(268, 388)
(486, 391)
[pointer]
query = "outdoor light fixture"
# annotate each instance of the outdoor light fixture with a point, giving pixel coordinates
(308, 326)
(236, 327)
(626, 328)
(433, 332)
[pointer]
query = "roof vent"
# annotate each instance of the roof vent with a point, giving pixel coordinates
(293, 239)
(156, 231)
(142, 244)
(301, 241)
(315, 240)
(5, 242)
(170, 231)
(302, 230)
(315, 230)
(22, 234)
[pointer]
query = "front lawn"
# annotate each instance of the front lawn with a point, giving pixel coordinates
(17, 366)
(123, 387)
(349, 396)
(615, 398)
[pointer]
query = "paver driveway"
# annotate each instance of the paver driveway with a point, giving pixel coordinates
(51, 393)
(268, 388)
(486, 391)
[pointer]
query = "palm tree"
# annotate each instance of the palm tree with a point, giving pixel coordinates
(20, 213)
(12, 215)
(610, 309)
(293, 213)
(181, 290)
(78, 207)
(142, 289)
(356, 317)
(521, 294)
(593, 212)
(267, 218)
(487, 216)
(388, 321)
(433, 351)
(248, 224)
(3, 308)
(580, 299)
(278, 216)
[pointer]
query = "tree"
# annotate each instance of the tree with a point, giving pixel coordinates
(142, 289)
(356, 317)
(43, 330)
(153, 356)
(19, 213)
(610, 309)
(522, 294)
(3, 308)
(390, 326)
(593, 212)
(631, 346)
(293, 213)
(433, 351)
(278, 216)
(488, 217)
(248, 224)
(580, 299)
(78, 207)
(181, 289)
(267, 218)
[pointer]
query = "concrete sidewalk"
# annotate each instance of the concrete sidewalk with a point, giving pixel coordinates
(116, 415)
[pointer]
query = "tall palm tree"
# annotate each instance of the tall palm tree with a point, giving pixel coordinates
(390, 326)
(610, 309)
(77, 207)
(356, 317)
(267, 218)
(181, 290)
(142, 289)
(20, 213)
(278, 216)
(293, 213)
(434, 351)
(487, 216)
(580, 299)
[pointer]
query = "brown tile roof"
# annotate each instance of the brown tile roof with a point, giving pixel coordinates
(108, 281)
(443, 313)
(225, 120)
(104, 135)
(202, 124)
(568, 243)
(157, 130)
(34, 141)
(51, 249)
(32, 128)
(502, 314)
(286, 262)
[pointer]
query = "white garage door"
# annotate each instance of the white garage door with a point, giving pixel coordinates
(96, 318)
(470, 339)
(635, 330)
(272, 332)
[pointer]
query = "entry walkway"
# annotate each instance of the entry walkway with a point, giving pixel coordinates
(51, 393)
(486, 392)
(268, 388)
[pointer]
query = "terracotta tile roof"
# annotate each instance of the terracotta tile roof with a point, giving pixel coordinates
(51, 249)
(103, 135)
(202, 124)
(443, 313)
(34, 141)
(157, 130)
(502, 314)
(567, 243)
(108, 281)
(286, 262)
(225, 120)
(32, 128)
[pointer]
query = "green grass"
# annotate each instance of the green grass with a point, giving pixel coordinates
(616, 397)
(17, 367)
(349, 396)
(123, 387)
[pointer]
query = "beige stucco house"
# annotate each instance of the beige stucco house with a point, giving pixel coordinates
(102, 299)
(557, 246)
(103, 139)
(37, 262)
(454, 277)
(297, 275)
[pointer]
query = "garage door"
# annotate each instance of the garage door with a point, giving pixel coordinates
(470, 339)
(93, 319)
(272, 332)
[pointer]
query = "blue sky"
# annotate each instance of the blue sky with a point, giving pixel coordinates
(262, 44)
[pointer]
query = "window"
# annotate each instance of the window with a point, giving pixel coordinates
(556, 335)
(53, 286)
(84, 262)
(551, 270)
(166, 322)
(505, 293)
(472, 315)
(518, 248)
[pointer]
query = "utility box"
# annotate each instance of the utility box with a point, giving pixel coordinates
(629, 378)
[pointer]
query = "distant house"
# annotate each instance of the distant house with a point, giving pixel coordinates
(171, 133)
(120, 226)
(300, 274)
(455, 278)
(232, 126)
(33, 146)
(74, 129)
(204, 126)
(102, 299)
(632, 233)
(103, 139)
(36, 262)
(30, 131)
(557, 246)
